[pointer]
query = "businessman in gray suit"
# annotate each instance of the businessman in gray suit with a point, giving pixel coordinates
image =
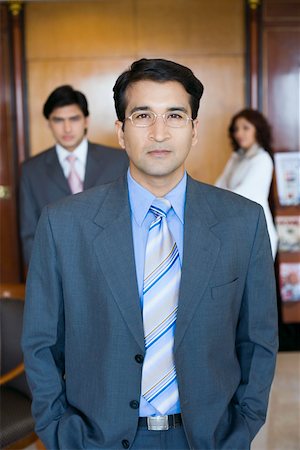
(150, 317)
(46, 178)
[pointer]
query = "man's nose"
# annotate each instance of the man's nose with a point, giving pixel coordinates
(67, 126)
(159, 131)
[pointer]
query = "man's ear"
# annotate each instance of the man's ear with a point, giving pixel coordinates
(195, 132)
(87, 123)
(120, 133)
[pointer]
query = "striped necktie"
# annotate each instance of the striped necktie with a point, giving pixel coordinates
(74, 180)
(160, 301)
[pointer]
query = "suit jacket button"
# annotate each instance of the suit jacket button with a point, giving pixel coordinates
(139, 358)
(125, 443)
(134, 404)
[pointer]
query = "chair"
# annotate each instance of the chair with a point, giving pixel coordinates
(17, 425)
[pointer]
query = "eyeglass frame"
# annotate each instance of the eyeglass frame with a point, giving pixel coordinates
(156, 116)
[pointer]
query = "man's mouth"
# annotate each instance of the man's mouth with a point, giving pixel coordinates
(159, 152)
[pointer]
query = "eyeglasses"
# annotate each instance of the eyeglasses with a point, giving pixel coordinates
(173, 119)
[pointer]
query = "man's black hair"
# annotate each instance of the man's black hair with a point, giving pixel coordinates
(64, 96)
(160, 70)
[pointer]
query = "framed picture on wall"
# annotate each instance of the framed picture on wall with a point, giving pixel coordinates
(288, 229)
(289, 277)
(287, 169)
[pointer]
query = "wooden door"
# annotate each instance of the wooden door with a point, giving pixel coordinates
(10, 267)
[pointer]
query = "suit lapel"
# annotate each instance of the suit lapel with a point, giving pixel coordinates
(200, 251)
(114, 250)
(92, 167)
(55, 172)
(115, 254)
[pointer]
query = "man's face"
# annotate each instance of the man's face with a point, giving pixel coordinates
(68, 125)
(157, 153)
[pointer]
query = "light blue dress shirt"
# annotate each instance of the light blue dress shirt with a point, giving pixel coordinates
(140, 201)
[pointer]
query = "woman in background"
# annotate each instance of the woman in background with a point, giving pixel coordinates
(249, 170)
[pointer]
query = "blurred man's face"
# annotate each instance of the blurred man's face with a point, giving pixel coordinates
(68, 125)
(158, 152)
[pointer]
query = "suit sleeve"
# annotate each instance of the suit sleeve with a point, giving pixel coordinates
(29, 215)
(257, 333)
(43, 336)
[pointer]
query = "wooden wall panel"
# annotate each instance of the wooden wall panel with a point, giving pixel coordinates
(190, 27)
(224, 82)
(72, 30)
(282, 10)
(282, 85)
(93, 77)
(281, 102)
(206, 35)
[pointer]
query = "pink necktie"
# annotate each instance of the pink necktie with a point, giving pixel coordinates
(74, 180)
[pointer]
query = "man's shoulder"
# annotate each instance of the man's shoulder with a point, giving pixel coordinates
(86, 202)
(39, 159)
(223, 202)
(99, 150)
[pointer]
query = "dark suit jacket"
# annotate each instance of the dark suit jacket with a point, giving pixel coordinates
(83, 322)
(43, 182)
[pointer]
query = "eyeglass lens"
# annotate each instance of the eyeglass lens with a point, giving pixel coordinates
(174, 119)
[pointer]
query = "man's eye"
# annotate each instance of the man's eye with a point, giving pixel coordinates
(142, 116)
(176, 116)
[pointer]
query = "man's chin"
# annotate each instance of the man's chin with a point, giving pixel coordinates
(70, 146)
(161, 171)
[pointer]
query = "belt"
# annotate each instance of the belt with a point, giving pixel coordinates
(161, 423)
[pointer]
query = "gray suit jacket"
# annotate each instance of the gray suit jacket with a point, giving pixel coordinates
(43, 182)
(83, 322)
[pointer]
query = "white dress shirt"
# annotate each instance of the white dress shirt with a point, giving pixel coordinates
(81, 154)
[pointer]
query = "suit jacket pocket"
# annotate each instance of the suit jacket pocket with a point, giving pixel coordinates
(225, 290)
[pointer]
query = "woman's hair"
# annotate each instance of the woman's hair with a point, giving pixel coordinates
(262, 128)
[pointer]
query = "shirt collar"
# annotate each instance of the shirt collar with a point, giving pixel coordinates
(141, 199)
(249, 153)
(80, 152)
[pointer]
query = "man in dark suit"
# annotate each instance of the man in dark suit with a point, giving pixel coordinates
(46, 178)
(150, 317)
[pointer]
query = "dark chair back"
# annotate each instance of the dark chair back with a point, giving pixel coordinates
(11, 314)
(17, 424)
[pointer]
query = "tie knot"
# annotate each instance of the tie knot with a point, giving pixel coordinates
(71, 159)
(160, 207)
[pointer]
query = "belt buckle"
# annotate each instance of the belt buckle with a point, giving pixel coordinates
(158, 423)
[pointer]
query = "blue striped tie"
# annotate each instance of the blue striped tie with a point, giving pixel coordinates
(160, 301)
